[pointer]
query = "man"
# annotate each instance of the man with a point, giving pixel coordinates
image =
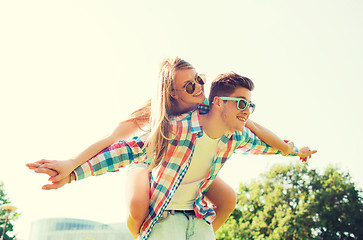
(200, 145)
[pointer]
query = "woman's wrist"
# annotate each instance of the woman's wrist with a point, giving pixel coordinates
(72, 177)
(72, 162)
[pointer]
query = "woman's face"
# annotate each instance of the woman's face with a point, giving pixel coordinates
(184, 81)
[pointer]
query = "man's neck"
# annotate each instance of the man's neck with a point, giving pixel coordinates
(213, 125)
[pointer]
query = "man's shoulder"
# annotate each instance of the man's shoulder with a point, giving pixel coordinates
(184, 117)
(245, 133)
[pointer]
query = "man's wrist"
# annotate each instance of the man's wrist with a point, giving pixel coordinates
(285, 149)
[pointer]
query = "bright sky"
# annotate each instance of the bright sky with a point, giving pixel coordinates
(71, 70)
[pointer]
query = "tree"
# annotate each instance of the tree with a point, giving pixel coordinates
(9, 228)
(293, 202)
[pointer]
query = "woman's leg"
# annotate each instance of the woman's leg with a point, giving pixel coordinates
(137, 197)
(224, 198)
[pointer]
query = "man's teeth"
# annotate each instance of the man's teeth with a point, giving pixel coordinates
(242, 119)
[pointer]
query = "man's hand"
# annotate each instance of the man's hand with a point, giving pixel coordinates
(305, 153)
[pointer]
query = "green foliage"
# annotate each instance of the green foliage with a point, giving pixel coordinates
(9, 228)
(293, 202)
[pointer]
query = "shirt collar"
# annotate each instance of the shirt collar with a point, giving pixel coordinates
(195, 123)
(193, 119)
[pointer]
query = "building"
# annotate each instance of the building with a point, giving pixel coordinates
(77, 229)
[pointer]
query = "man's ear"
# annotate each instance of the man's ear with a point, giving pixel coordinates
(217, 102)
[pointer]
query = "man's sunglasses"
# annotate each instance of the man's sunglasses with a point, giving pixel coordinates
(190, 86)
(242, 104)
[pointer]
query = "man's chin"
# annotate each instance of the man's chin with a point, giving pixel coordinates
(241, 128)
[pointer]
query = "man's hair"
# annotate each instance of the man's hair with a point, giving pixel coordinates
(225, 84)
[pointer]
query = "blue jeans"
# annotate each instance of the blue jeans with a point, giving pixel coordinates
(181, 226)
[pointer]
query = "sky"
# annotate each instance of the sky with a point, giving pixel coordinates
(70, 71)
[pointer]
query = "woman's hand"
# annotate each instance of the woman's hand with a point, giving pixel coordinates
(57, 184)
(51, 168)
(57, 170)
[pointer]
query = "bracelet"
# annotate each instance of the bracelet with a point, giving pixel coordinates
(70, 178)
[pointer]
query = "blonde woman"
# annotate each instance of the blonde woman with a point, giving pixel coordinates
(180, 90)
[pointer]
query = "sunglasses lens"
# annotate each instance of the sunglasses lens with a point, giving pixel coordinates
(190, 87)
(199, 80)
(242, 104)
(252, 107)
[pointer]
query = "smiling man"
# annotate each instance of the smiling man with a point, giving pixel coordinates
(230, 105)
(200, 143)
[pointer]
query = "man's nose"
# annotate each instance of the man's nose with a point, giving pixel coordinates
(247, 111)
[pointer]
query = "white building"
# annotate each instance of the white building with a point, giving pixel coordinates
(77, 229)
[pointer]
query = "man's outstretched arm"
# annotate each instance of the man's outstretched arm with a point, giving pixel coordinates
(251, 144)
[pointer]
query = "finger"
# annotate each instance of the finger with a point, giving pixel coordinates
(57, 178)
(33, 165)
(49, 165)
(314, 151)
(44, 161)
(47, 171)
(38, 163)
(55, 185)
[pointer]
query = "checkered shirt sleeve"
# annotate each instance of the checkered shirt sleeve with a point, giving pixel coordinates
(113, 157)
(251, 144)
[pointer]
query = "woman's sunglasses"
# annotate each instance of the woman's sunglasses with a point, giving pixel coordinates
(242, 104)
(190, 86)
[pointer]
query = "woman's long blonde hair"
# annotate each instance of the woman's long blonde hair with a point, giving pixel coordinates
(163, 105)
(158, 110)
(141, 116)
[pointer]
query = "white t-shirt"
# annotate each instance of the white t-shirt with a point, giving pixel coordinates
(201, 163)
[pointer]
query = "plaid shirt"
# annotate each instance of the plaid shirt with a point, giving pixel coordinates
(167, 177)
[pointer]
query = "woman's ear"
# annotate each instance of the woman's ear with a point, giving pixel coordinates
(174, 95)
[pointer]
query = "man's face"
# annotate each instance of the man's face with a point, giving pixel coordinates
(234, 118)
